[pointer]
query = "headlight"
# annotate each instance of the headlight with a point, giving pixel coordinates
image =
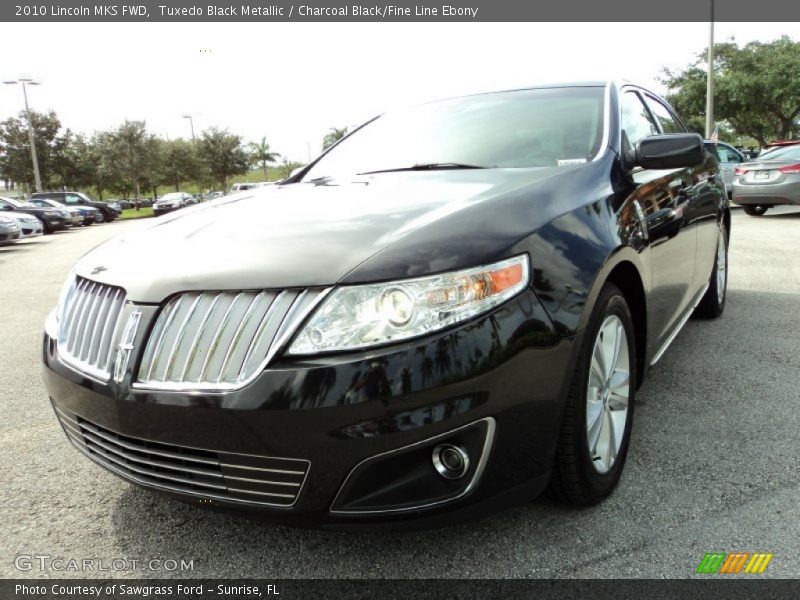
(6, 221)
(64, 214)
(366, 315)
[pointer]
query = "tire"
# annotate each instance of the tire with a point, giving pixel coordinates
(754, 210)
(713, 302)
(100, 217)
(582, 475)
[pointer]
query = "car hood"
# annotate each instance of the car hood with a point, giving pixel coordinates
(297, 235)
(13, 215)
(40, 210)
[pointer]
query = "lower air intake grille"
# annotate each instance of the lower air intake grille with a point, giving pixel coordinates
(240, 478)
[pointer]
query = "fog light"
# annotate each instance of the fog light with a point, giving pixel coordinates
(450, 461)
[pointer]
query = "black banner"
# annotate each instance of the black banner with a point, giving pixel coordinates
(711, 588)
(397, 10)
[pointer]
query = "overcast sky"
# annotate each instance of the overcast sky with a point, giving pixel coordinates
(292, 81)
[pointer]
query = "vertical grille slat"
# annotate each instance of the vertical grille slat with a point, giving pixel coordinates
(86, 333)
(217, 334)
(237, 336)
(232, 477)
(201, 328)
(102, 313)
(109, 327)
(223, 340)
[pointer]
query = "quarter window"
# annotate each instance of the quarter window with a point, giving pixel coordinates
(636, 121)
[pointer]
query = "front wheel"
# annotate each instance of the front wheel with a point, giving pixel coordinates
(713, 302)
(755, 210)
(596, 426)
(99, 217)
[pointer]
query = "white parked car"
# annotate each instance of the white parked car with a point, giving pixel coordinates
(29, 226)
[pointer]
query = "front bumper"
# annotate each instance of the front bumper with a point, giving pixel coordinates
(370, 419)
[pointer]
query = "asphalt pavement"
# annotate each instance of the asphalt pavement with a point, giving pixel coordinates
(713, 465)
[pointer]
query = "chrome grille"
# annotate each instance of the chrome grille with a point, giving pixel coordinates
(220, 340)
(87, 324)
(240, 478)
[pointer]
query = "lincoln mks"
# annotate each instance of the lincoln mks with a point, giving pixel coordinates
(448, 311)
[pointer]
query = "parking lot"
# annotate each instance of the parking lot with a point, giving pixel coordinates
(714, 464)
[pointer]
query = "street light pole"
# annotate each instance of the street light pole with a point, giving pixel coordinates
(191, 124)
(31, 137)
(710, 77)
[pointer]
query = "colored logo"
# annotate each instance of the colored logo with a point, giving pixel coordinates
(734, 563)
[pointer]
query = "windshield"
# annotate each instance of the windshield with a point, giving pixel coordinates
(518, 129)
(170, 196)
(785, 153)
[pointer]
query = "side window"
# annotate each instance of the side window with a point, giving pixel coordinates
(667, 121)
(635, 121)
(72, 199)
(728, 154)
(4, 206)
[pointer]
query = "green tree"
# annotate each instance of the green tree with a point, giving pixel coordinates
(74, 163)
(756, 92)
(333, 136)
(286, 167)
(223, 155)
(178, 162)
(15, 151)
(132, 158)
(261, 155)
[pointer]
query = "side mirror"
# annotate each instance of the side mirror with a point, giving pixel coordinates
(670, 151)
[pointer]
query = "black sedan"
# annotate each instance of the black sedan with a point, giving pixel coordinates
(448, 311)
(52, 219)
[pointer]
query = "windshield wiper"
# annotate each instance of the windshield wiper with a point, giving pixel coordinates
(428, 167)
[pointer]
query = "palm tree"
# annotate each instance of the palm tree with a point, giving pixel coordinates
(261, 154)
(333, 136)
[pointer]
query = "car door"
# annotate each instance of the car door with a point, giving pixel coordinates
(664, 197)
(705, 200)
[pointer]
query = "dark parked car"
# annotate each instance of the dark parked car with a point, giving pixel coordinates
(87, 214)
(52, 219)
(449, 311)
(108, 211)
(172, 201)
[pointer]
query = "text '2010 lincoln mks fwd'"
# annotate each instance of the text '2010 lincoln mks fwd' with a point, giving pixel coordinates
(450, 310)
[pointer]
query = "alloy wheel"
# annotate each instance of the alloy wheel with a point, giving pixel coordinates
(607, 394)
(722, 266)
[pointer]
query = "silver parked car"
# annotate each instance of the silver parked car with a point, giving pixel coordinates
(769, 181)
(729, 158)
(29, 226)
(9, 231)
